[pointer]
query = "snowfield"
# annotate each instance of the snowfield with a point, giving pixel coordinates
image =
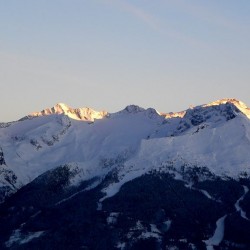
(133, 142)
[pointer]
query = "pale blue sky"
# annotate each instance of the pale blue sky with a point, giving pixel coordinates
(106, 54)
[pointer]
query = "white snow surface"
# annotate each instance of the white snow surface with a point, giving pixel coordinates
(139, 231)
(134, 140)
(121, 245)
(237, 204)
(204, 192)
(218, 235)
(84, 114)
(19, 238)
(239, 104)
(112, 218)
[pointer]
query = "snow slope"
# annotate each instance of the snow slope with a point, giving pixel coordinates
(33, 146)
(132, 142)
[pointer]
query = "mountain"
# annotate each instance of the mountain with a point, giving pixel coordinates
(83, 114)
(135, 179)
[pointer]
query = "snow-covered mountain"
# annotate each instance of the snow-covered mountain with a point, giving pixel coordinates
(111, 151)
(83, 114)
(216, 136)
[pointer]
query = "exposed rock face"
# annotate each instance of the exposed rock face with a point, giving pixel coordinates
(2, 160)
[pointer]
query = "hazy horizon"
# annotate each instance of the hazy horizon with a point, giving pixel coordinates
(107, 54)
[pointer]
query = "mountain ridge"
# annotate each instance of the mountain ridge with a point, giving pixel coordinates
(89, 114)
(84, 114)
(196, 161)
(120, 134)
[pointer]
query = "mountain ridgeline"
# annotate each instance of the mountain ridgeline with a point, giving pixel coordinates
(135, 179)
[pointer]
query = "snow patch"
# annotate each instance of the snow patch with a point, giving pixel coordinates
(121, 245)
(15, 237)
(18, 238)
(237, 204)
(31, 236)
(167, 224)
(142, 232)
(112, 219)
(218, 235)
(204, 192)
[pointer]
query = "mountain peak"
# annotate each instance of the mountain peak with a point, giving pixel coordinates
(238, 104)
(59, 108)
(242, 107)
(88, 114)
(134, 109)
(226, 100)
(84, 114)
(62, 105)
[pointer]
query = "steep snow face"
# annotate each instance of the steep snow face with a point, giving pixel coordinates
(215, 114)
(84, 114)
(26, 146)
(223, 150)
(239, 104)
(199, 117)
(216, 137)
(234, 102)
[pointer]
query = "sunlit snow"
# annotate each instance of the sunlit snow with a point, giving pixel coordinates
(133, 141)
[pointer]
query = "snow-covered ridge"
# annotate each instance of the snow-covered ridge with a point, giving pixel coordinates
(88, 114)
(84, 114)
(238, 104)
(135, 110)
(216, 135)
(174, 114)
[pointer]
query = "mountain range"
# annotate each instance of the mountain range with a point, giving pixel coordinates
(134, 179)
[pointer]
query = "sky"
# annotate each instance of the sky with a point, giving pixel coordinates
(107, 54)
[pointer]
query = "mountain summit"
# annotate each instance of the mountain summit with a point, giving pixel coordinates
(88, 114)
(83, 114)
(239, 104)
